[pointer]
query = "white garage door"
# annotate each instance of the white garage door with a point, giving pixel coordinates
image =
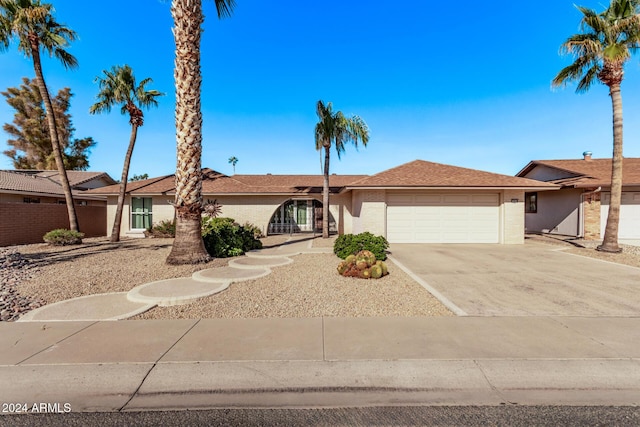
(443, 218)
(629, 227)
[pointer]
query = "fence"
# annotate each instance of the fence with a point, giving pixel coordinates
(23, 223)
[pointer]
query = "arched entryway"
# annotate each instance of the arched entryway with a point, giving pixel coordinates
(299, 216)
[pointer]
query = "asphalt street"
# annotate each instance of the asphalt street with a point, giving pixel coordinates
(511, 416)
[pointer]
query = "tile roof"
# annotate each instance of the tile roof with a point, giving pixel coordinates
(420, 173)
(18, 182)
(590, 173)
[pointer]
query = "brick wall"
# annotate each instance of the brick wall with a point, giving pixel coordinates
(23, 223)
(591, 209)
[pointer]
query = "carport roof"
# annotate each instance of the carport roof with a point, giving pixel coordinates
(423, 174)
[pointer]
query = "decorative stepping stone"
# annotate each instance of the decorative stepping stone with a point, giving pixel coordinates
(255, 262)
(178, 291)
(223, 274)
(113, 306)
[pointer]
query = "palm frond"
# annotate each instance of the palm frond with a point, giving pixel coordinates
(589, 78)
(225, 8)
(118, 87)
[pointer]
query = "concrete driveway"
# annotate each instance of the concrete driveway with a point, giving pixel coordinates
(519, 280)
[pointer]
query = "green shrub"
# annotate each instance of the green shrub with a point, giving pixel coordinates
(164, 228)
(349, 244)
(257, 232)
(223, 237)
(63, 237)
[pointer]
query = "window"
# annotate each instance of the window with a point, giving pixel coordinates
(31, 200)
(531, 202)
(141, 212)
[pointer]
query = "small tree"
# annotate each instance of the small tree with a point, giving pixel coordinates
(33, 24)
(601, 51)
(29, 131)
(233, 160)
(333, 128)
(118, 87)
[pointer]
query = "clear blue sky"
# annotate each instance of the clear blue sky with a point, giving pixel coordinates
(466, 85)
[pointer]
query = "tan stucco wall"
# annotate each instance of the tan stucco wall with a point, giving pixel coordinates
(369, 212)
(512, 217)
(558, 212)
(354, 212)
(257, 210)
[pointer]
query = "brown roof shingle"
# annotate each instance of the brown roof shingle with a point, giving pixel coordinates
(216, 183)
(18, 182)
(420, 173)
(588, 173)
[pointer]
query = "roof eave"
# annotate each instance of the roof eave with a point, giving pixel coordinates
(448, 187)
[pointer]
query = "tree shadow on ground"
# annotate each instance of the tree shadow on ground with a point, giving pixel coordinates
(70, 253)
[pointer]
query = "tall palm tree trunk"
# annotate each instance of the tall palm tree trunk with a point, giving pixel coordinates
(325, 195)
(115, 231)
(188, 246)
(53, 133)
(610, 241)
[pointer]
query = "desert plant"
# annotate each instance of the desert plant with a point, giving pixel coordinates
(161, 229)
(363, 264)
(63, 237)
(350, 244)
(376, 271)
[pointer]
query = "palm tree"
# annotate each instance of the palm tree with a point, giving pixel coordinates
(233, 160)
(118, 87)
(600, 52)
(188, 247)
(335, 128)
(33, 25)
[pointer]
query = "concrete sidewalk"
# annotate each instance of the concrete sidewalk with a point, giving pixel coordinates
(195, 364)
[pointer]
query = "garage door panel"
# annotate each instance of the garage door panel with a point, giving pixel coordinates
(485, 199)
(443, 218)
(629, 227)
(456, 199)
(427, 199)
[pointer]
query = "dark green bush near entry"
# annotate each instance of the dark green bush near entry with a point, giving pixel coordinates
(223, 237)
(63, 237)
(350, 244)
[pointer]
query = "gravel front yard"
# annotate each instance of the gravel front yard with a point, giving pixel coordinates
(34, 275)
(309, 287)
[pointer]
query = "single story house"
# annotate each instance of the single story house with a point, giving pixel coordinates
(417, 202)
(32, 203)
(581, 206)
(40, 186)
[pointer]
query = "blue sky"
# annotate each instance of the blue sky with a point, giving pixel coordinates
(467, 85)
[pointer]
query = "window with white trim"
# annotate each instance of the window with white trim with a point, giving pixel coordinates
(141, 213)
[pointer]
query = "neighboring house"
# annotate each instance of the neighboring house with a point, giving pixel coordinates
(418, 202)
(581, 206)
(33, 203)
(37, 186)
